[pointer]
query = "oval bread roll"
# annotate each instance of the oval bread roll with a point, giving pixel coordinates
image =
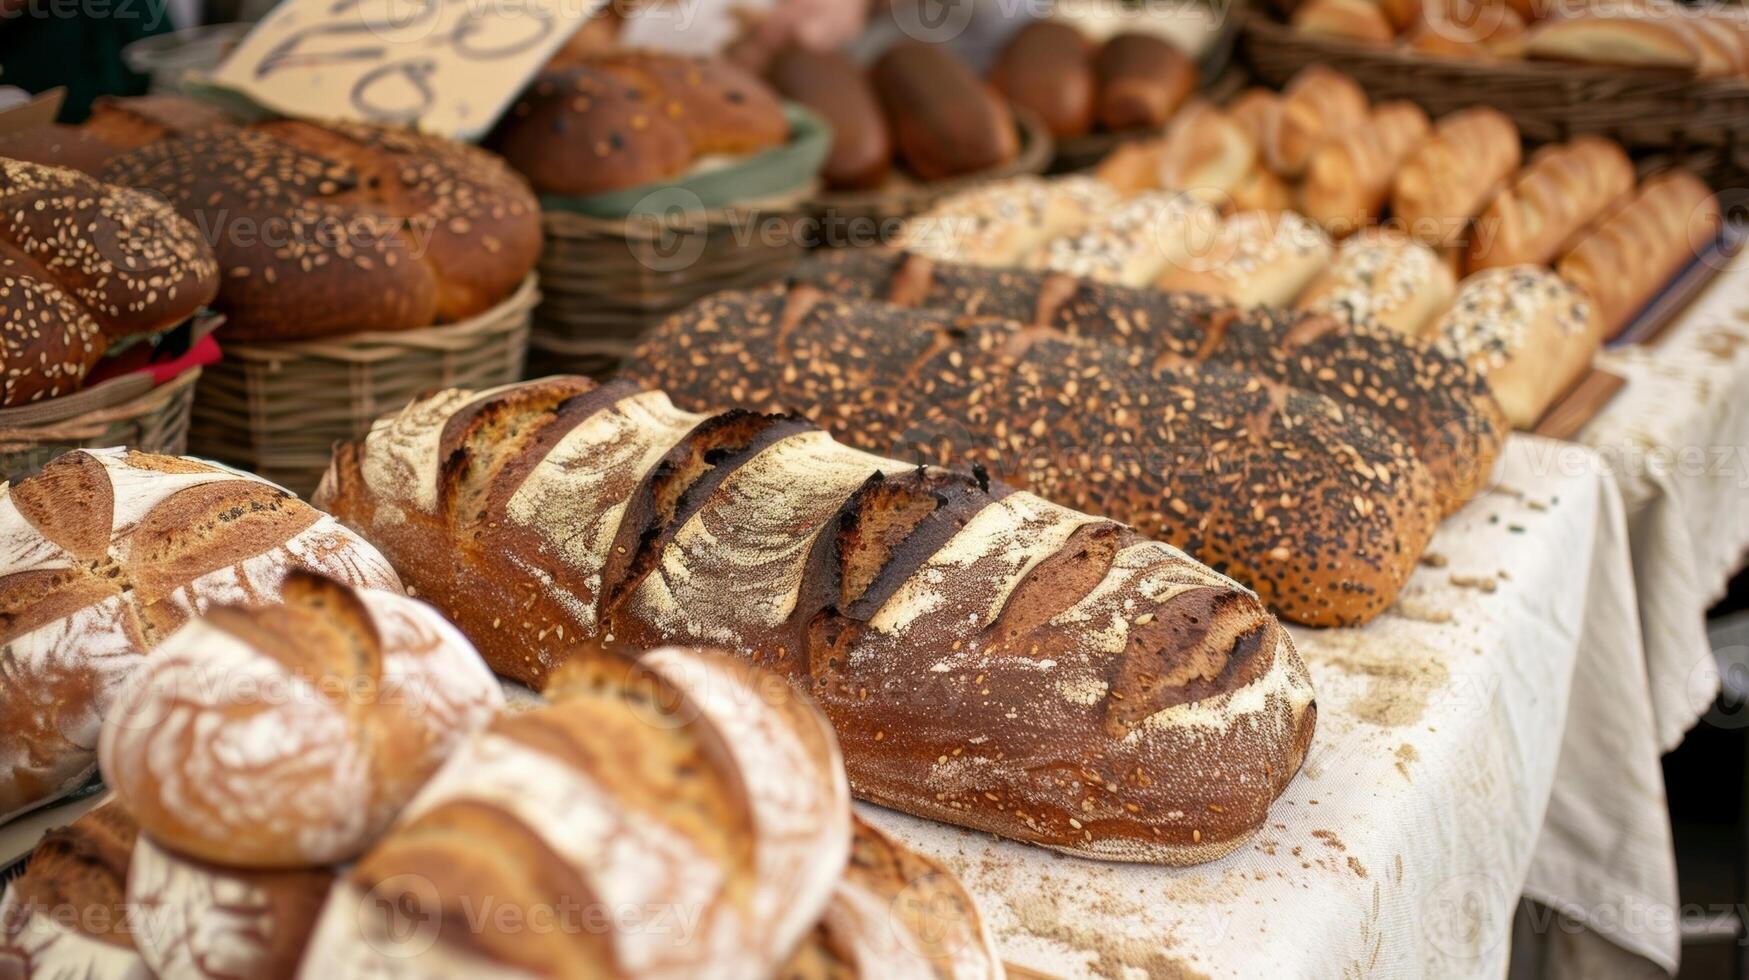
(1564, 188)
(1206, 154)
(1257, 260)
(1350, 20)
(1349, 177)
(1048, 68)
(1135, 241)
(1142, 81)
(946, 121)
(1317, 105)
(839, 90)
(1383, 279)
(289, 735)
(1530, 334)
(1623, 38)
(1448, 179)
(1624, 261)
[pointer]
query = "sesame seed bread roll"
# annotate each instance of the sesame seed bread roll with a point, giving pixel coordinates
(105, 552)
(683, 784)
(1448, 179)
(84, 264)
(896, 915)
(67, 914)
(1527, 331)
(961, 637)
(1135, 241)
(1257, 259)
(1384, 279)
(344, 227)
(201, 921)
(289, 735)
(1002, 222)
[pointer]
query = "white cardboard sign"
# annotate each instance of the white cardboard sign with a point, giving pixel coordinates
(449, 67)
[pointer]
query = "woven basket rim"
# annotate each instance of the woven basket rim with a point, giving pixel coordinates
(379, 345)
(1035, 155)
(88, 425)
(570, 224)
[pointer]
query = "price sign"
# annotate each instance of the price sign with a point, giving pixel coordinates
(449, 67)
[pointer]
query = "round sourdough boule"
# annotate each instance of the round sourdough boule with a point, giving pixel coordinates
(345, 227)
(106, 551)
(68, 915)
(289, 735)
(82, 265)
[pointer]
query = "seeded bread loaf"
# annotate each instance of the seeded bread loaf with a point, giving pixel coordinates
(682, 816)
(1436, 403)
(1526, 330)
(961, 637)
(106, 552)
(377, 689)
(67, 915)
(85, 264)
(340, 228)
(1384, 279)
(1003, 222)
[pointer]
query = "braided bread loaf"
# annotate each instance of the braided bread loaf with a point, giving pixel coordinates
(67, 914)
(289, 735)
(693, 801)
(82, 265)
(105, 552)
(963, 638)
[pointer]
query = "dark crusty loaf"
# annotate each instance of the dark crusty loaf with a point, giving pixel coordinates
(58, 145)
(633, 118)
(1142, 81)
(839, 91)
(83, 264)
(339, 228)
(1048, 68)
(67, 915)
(1435, 402)
(946, 121)
(988, 658)
(130, 121)
(105, 552)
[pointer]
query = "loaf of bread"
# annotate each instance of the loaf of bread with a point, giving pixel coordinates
(1384, 279)
(58, 145)
(1437, 404)
(135, 120)
(205, 921)
(67, 915)
(85, 264)
(1206, 154)
(1257, 260)
(1142, 81)
(107, 551)
(1002, 222)
(633, 118)
(1631, 255)
(1564, 188)
(838, 91)
(1136, 241)
(1621, 37)
(333, 229)
(1468, 29)
(1348, 179)
(1317, 105)
(1525, 330)
(685, 784)
(1361, 21)
(962, 637)
(377, 689)
(1448, 179)
(946, 122)
(1048, 68)
(1101, 427)
(895, 914)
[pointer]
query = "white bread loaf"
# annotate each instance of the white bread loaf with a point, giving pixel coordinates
(1318, 105)
(1629, 256)
(1000, 223)
(199, 921)
(1383, 278)
(694, 794)
(1348, 178)
(104, 552)
(1134, 242)
(1563, 188)
(289, 735)
(67, 915)
(1259, 259)
(1525, 330)
(1451, 176)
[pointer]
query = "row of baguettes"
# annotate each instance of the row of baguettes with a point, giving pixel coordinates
(1309, 460)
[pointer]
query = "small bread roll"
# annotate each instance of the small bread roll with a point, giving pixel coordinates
(1142, 81)
(1385, 279)
(1257, 260)
(1350, 20)
(1317, 105)
(1262, 190)
(1206, 154)
(1135, 242)
(1255, 110)
(1349, 177)
(1451, 175)
(1000, 223)
(1048, 68)
(1631, 255)
(1563, 188)
(1524, 329)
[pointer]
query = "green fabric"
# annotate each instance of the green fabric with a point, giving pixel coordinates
(76, 43)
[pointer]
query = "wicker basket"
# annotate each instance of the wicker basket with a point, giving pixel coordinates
(278, 408)
(154, 421)
(872, 216)
(1703, 122)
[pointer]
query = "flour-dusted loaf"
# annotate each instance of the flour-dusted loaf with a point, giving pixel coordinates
(683, 815)
(896, 915)
(106, 552)
(372, 690)
(82, 265)
(1526, 330)
(964, 639)
(194, 920)
(67, 915)
(344, 227)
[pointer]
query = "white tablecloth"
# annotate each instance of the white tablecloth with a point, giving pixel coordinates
(1403, 846)
(1677, 439)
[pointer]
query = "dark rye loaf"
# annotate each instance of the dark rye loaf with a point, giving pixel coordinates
(1317, 505)
(987, 658)
(1436, 403)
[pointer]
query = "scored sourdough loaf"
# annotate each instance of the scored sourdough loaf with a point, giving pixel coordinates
(106, 552)
(374, 689)
(683, 815)
(963, 638)
(67, 915)
(1437, 403)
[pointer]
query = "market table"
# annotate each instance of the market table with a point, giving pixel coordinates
(1439, 770)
